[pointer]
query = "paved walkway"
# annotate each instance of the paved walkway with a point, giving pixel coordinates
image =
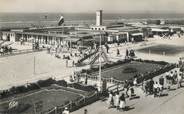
(170, 104)
(144, 104)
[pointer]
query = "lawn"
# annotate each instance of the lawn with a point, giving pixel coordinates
(122, 72)
(161, 48)
(44, 100)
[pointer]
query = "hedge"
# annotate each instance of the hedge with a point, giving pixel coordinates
(81, 87)
(32, 86)
(43, 83)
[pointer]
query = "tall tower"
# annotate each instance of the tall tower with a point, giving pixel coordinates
(99, 18)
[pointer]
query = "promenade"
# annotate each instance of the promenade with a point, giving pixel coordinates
(171, 104)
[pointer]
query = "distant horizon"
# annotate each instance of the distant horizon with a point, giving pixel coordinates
(103, 12)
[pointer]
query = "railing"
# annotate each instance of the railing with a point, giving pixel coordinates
(108, 79)
(114, 84)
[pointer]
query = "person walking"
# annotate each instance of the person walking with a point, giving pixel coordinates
(66, 62)
(107, 47)
(116, 100)
(118, 53)
(161, 81)
(110, 100)
(175, 75)
(151, 83)
(66, 111)
(171, 78)
(179, 80)
(168, 80)
(126, 86)
(135, 81)
(155, 86)
(122, 105)
(85, 111)
(73, 63)
(132, 91)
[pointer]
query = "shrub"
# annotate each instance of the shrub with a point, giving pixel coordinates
(81, 87)
(62, 83)
(5, 93)
(46, 83)
(13, 90)
(19, 109)
(33, 86)
(21, 89)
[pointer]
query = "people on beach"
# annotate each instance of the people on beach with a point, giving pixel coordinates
(118, 53)
(107, 47)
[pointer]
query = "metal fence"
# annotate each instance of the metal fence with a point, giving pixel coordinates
(107, 79)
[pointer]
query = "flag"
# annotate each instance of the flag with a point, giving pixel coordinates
(61, 21)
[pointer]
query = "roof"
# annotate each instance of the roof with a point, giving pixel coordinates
(119, 33)
(39, 34)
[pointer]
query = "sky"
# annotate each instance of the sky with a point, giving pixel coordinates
(89, 6)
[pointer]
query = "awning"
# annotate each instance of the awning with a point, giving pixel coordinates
(137, 34)
(72, 39)
(159, 30)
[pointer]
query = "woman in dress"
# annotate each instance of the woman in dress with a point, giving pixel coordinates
(110, 100)
(122, 104)
(116, 100)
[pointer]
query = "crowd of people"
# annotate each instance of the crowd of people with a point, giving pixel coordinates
(68, 56)
(117, 100)
(165, 82)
